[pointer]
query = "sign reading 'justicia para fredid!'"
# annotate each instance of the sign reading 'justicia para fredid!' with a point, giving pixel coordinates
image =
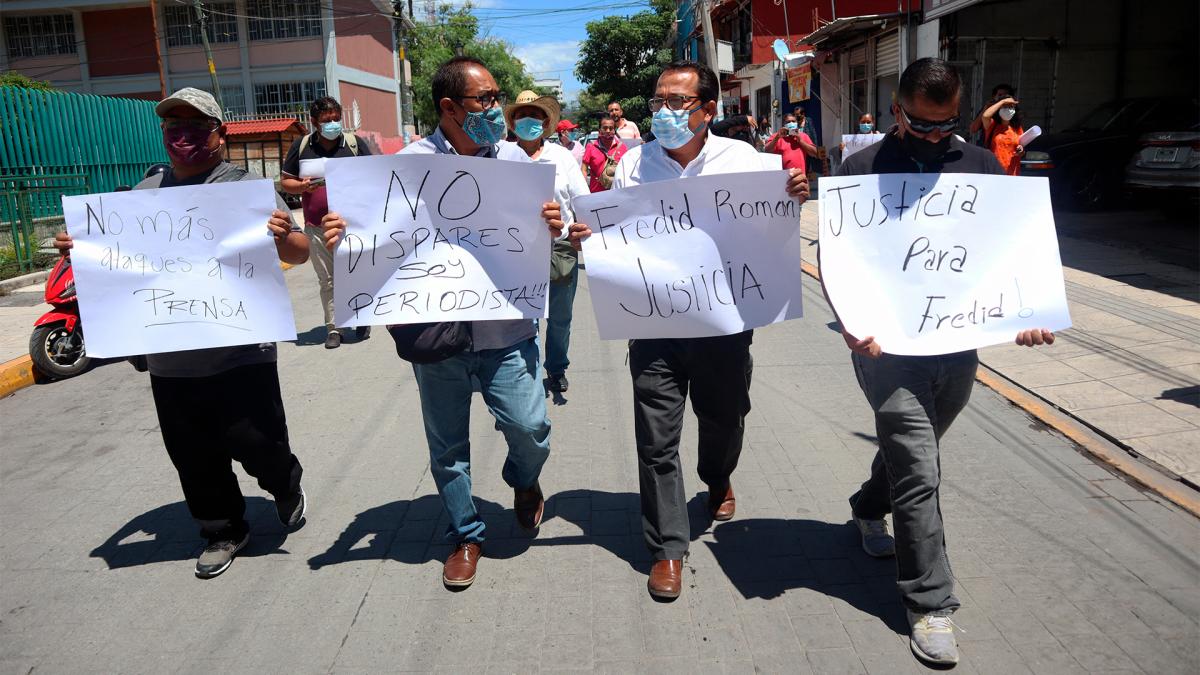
(940, 263)
(697, 257)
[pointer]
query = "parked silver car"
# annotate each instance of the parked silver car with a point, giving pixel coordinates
(1167, 163)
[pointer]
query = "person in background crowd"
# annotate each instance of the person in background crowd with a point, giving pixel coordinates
(567, 133)
(502, 363)
(792, 143)
(624, 127)
(999, 93)
(804, 124)
(601, 156)
(736, 126)
(329, 140)
(866, 125)
(222, 404)
(1002, 129)
(715, 371)
(533, 118)
(916, 398)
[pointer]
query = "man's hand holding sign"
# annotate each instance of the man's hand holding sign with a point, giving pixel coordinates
(957, 267)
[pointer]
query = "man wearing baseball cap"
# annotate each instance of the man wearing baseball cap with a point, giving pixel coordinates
(532, 118)
(221, 404)
(566, 138)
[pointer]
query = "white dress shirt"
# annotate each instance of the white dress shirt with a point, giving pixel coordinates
(649, 162)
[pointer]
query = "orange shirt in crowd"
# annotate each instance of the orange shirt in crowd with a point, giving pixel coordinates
(1003, 141)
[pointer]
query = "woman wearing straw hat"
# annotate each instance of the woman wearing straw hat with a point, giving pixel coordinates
(534, 118)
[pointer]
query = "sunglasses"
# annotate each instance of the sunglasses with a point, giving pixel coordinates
(925, 126)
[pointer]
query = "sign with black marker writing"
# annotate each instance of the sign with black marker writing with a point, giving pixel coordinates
(439, 238)
(941, 263)
(704, 256)
(177, 268)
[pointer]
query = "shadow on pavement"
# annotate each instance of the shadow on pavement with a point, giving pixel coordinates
(765, 557)
(173, 535)
(311, 337)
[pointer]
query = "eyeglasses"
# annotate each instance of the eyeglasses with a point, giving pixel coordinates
(926, 127)
(487, 100)
(673, 102)
(192, 123)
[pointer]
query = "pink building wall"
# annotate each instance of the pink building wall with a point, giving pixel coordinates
(378, 108)
(64, 68)
(191, 59)
(284, 53)
(364, 42)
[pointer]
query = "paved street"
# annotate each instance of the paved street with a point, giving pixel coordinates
(1062, 567)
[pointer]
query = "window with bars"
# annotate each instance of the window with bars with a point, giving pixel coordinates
(39, 35)
(287, 97)
(184, 29)
(283, 19)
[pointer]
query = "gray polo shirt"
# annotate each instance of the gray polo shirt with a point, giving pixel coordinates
(484, 334)
(206, 362)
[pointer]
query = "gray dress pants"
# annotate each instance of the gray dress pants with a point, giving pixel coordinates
(915, 398)
(716, 370)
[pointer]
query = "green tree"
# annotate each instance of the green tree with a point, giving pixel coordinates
(15, 79)
(431, 44)
(623, 56)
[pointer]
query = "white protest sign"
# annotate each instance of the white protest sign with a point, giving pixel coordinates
(312, 168)
(856, 142)
(940, 263)
(439, 238)
(771, 161)
(711, 255)
(178, 268)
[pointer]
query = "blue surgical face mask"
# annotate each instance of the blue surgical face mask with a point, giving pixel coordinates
(528, 128)
(331, 130)
(792, 125)
(670, 127)
(486, 127)
(865, 127)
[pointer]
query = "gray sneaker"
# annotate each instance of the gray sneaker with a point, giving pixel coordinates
(291, 509)
(876, 540)
(932, 638)
(218, 555)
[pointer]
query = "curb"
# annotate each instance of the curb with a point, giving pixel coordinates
(9, 285)
(16, 375)
(1094, 444)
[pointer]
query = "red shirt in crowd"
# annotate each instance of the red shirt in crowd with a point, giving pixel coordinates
(594, 159)
(789, 147)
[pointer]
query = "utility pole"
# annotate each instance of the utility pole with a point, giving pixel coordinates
(212, 67)
(710, 48)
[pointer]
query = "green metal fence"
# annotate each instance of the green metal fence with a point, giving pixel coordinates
(56, 143)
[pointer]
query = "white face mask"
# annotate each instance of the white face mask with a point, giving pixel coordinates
(1006, 114)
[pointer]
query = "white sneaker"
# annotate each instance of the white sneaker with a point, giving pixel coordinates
(932, 638)
(876, 540)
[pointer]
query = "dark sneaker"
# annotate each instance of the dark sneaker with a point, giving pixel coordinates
(529, 506)
(558, 382)
(291, 509)
(333, 340)
(218, 555)
(362, 333)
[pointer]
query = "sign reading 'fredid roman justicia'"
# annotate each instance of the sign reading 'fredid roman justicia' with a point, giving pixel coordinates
(439, 238)
(697, 257)
(940, 263)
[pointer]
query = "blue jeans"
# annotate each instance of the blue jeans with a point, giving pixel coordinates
(508, 380)
(558, 325)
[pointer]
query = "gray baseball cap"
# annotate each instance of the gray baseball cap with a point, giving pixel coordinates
(196, 98)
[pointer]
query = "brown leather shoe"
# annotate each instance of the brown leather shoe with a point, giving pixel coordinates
(666, 579)
(459, 571)
(721, 504)
(529, 506)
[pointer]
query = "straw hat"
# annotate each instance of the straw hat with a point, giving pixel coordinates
(529, 99)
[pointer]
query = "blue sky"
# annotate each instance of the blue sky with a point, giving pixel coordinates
(546, 35)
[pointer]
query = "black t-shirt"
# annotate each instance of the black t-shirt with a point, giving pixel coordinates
(888, 156)
(314, 150)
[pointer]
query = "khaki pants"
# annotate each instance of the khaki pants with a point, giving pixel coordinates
(322, 264)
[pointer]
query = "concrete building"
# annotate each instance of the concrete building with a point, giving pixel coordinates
(272, 57)
(554, 85)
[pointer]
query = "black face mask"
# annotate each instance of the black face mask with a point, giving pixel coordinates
(925, 152)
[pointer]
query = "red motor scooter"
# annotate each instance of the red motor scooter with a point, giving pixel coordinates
(56, 345)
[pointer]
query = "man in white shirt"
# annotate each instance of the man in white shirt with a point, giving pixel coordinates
(502, 363)
(533, 118)
(715, 369)
(625, 128)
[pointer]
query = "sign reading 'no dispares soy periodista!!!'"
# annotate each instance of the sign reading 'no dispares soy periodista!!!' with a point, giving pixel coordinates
(439, 238)
(940, 263)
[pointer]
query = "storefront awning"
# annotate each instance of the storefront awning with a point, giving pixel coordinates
(847, 27)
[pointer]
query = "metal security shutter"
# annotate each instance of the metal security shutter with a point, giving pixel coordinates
(887, 55)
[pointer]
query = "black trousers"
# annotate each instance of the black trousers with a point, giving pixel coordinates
(716, 371)
(207, 422)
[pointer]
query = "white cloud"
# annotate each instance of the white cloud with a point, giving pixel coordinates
(549, 59)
